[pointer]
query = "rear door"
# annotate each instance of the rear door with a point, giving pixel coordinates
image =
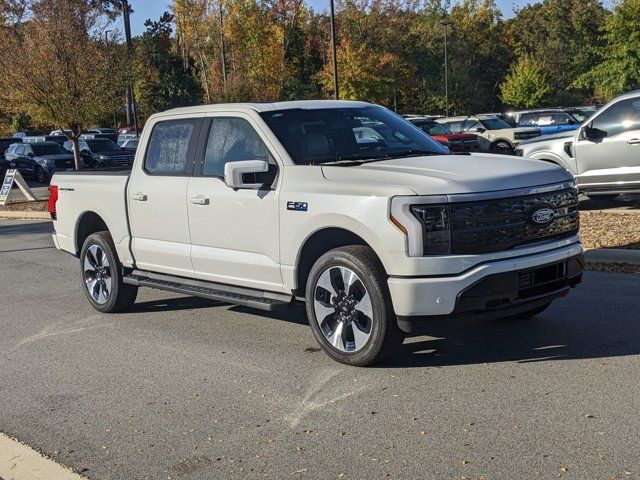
(157, 198)
(234, 233)
(615, 158)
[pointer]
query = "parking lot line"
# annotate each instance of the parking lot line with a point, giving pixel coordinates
(20, 462)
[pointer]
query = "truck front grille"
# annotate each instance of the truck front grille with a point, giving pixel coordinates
(497, 225)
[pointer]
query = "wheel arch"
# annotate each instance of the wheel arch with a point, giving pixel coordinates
(317, 244)
(88, 223)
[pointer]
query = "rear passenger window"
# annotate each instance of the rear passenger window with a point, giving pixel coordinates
(168, 151)
(232, 140)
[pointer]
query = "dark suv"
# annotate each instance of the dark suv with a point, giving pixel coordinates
(5, 143)
(39, 159)
(103, 152)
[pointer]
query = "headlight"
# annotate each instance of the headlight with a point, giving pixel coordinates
(436, 228)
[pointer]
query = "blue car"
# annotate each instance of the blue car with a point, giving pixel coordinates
(549, 122)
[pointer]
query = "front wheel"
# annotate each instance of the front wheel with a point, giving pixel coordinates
(349, 307)
(101, 274)
(502, 148)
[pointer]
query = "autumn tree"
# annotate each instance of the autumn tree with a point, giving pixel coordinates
(161, 80)
(55, 67)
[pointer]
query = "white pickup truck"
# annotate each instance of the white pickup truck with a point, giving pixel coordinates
(343, 205)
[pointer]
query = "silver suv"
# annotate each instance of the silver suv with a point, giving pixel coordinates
(604, 154)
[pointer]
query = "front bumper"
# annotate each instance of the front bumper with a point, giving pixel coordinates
(439, 295)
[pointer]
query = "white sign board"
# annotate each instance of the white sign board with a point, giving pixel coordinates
(14, 176)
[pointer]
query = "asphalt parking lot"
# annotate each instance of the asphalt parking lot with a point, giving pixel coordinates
(185, 388)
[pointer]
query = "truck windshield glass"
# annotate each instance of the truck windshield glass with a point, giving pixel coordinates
(317, 136)
(494, 124)
(50, 149)
(102, 145)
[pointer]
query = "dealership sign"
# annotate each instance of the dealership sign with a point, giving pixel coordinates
(13, 176)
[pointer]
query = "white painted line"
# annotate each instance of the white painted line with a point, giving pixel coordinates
(19, 462)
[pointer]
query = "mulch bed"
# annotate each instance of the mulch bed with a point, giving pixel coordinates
(40, 206)
(602, 229)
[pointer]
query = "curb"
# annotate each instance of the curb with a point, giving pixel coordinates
(23, 215)
(612, 255)
(611, 212)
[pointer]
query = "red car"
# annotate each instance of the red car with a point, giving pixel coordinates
(456, 142)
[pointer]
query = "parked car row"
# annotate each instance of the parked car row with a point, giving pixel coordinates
(40, 156)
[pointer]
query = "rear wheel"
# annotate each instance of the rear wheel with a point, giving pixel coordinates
(502, 148)
(101, 274)
(349, 307)
(41, 175)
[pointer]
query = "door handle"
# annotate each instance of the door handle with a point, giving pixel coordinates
(634, 141)
(199, 200)
(140, 197)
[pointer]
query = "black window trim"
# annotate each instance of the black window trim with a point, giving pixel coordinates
(191, 149)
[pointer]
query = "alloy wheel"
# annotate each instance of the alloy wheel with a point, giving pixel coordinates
(97, 274)
(343, 309)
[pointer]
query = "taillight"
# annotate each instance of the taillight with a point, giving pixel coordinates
(53, 198)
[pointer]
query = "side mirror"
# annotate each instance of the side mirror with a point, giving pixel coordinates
(478, 130)
(84, 150)
(234, 173)
(593, 134)
(30, 155)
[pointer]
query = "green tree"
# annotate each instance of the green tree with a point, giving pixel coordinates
(161, 80)
(563, 36)
(526, 85)
(618, 67)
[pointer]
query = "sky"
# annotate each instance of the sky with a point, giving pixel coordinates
(144, 9)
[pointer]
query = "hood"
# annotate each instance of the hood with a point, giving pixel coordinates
(57, 156)
(117, 153)
(452, 174)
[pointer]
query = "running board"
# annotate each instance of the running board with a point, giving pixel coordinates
(213, 291)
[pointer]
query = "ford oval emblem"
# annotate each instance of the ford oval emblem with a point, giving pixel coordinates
(541, 215)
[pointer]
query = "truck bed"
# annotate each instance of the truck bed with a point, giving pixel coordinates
(102, 192)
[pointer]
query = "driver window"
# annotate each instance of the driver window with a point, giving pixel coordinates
(232, 140)
(472, 126)
(620, 117)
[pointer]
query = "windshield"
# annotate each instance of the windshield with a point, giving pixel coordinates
(102, 146)
(494, 124)
(52, 149)
(317, 136)
(435, 128)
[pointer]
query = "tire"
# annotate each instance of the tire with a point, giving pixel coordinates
(101, 275)
(603, 198)
(41, 175)
(531, 313)
(502, 148)
(359, 326)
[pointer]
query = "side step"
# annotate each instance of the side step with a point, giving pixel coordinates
(213, 291)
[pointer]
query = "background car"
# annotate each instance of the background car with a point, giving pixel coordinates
(495, 135)
(604, 155)
(105, 132)
(456, 142)
(549, 121)
(130, 144)
(103, 152)
(39, 160)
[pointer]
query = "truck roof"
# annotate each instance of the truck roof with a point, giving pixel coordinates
(267, 106)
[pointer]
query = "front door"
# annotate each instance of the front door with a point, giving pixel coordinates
(234, 233)
(157, 198)
(614, 158)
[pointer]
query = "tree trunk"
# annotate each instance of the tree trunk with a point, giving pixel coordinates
(76, 150)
